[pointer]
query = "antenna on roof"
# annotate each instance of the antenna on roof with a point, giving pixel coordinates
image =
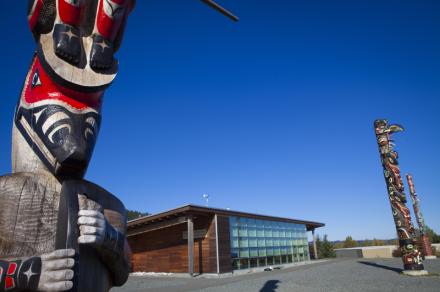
(206, 197)
(220, 9)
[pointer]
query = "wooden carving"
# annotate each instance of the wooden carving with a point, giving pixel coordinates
(59, 232)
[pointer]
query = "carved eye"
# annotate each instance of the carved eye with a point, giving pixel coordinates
(36, 79)
(57, 133)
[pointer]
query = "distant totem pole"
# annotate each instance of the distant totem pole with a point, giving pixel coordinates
(411, 257)
(426, 245)
(59, 232)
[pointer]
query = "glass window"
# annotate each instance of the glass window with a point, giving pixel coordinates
(269, 242)
(253, 252)
(244, 242)
(252, 232)
(242, 232)
(253, 263)
(253, 242)
(269, 251)
(244, 252)
(256, 242)
(251, 222)
(269, 261)
(268, 232)
(236, 264)
(234, 242)
(244, 264)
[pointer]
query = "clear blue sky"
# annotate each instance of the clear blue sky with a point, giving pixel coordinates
(272, 115)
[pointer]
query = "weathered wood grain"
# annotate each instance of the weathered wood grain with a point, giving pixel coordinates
(28, 216)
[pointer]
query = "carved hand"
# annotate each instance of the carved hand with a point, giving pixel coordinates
(95, 230)
(57, 270)
(92, 226)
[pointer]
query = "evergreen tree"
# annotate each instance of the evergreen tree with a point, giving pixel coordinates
(131, 215)
(433, 237)
(327, 248)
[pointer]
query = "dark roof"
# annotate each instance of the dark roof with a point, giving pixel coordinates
(195, 209)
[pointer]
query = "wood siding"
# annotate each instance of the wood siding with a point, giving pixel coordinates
(165, 250)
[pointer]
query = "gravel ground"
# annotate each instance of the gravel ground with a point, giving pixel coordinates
(334, 275)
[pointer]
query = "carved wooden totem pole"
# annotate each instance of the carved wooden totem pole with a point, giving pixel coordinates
(423, 237)
(411, 257)
(57, 231)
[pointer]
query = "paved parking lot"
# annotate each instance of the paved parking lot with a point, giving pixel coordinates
(334, 275)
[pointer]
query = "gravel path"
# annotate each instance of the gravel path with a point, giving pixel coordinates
(334, 275)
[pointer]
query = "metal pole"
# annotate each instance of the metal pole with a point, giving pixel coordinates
(220, 9)
(190, 245)
(411, 257)
(426, 245)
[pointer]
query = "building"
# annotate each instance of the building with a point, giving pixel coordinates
(195, 239)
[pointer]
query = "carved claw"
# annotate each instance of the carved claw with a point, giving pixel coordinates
(101, 55)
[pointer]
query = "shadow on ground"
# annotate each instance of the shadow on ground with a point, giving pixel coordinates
(397, 270)
(270, 286)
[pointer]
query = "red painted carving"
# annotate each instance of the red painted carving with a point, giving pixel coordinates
(70, 11)
(39, 87)
(111, 15)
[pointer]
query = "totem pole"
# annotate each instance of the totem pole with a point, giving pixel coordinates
(411, 257)
(426, 245)
(59, 232)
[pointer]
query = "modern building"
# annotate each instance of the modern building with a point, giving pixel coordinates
(195, 239)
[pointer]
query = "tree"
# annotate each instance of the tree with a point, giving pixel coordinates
(325, 248)
(378, 242)
(131, 215)
(433, 237)
(349, 242)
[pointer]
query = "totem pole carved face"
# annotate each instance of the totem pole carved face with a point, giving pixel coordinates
(383, 134)
(59, 124)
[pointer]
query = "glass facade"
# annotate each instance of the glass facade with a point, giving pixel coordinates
(260, 243)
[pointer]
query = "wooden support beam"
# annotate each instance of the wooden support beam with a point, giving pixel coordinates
(216, 244)
(190, 245)
(156, 226)
(315, 250)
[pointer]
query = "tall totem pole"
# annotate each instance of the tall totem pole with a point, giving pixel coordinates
(426, 245)
(59, 232)
(412, 261)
